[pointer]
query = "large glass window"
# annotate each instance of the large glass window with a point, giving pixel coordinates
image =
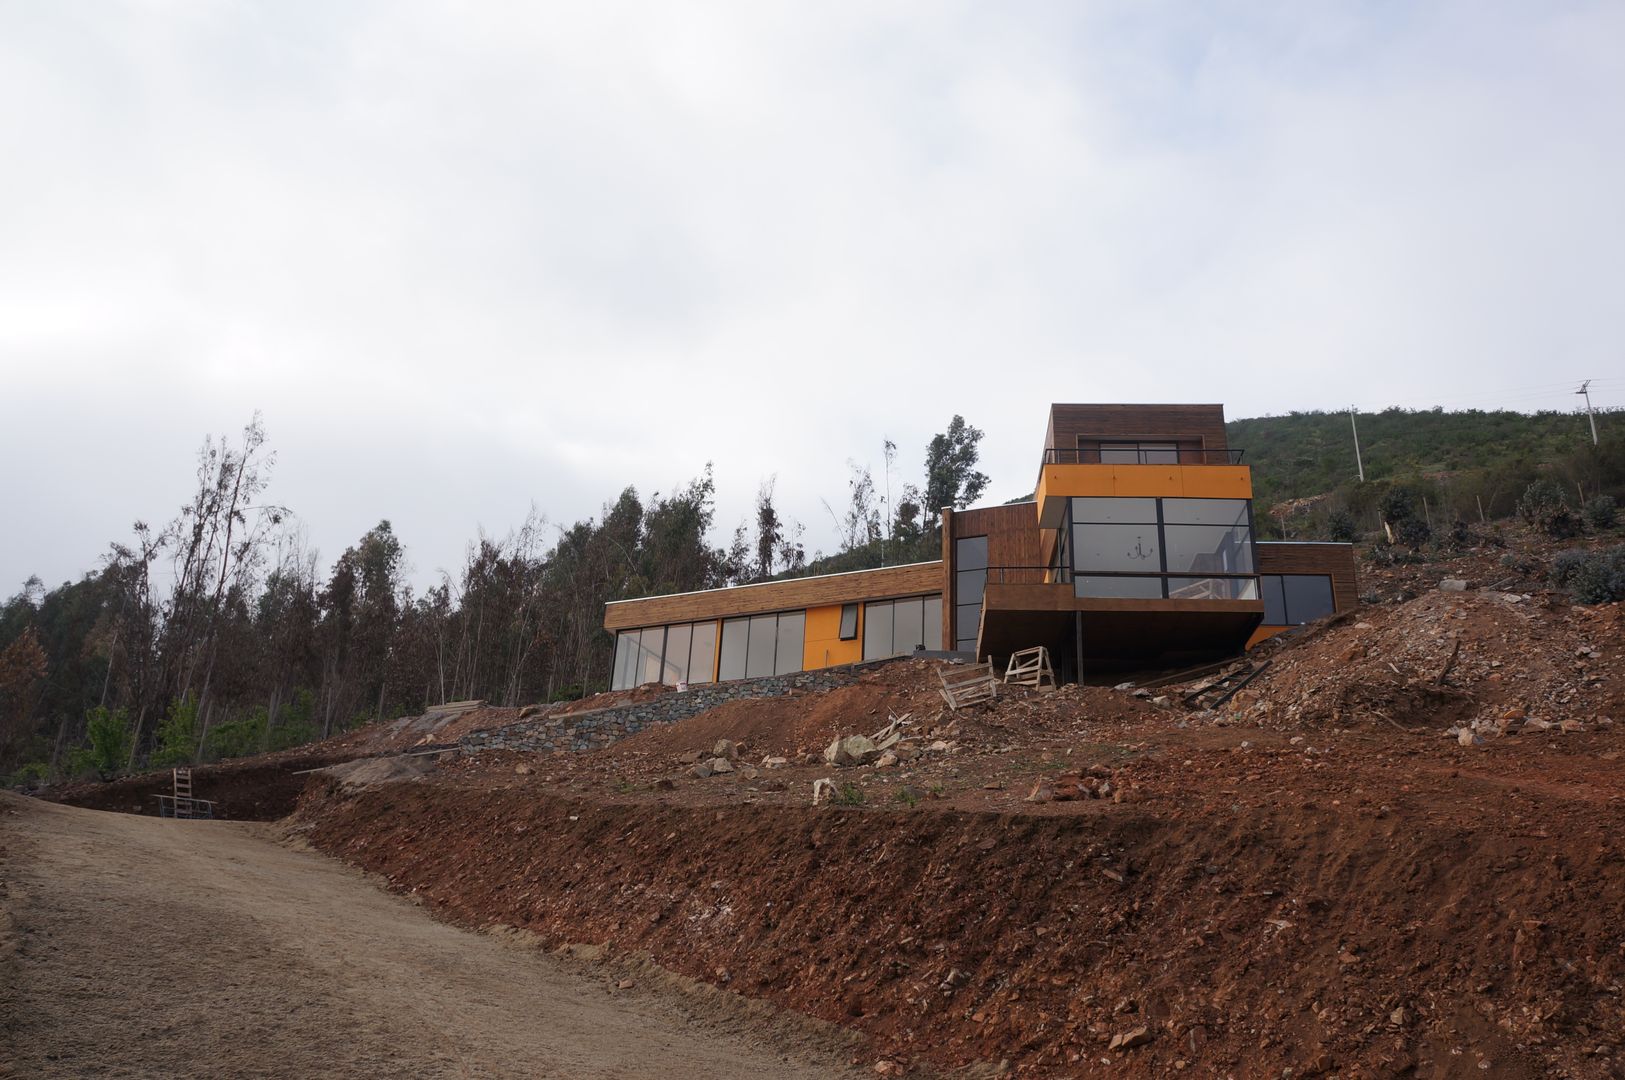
(650, 644)
(1150, 548)
(970, 579)
(735, 643)
(764, 632)
(1292, 599)
(626, 656)
(877, 624)
(898, 627)
(1139, 453)
(702, 657)
(678, 639)
(791, 640)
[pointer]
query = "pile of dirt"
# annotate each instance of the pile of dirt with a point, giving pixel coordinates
(1450, 659)
(370, 772)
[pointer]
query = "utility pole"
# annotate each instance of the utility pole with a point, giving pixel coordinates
(1359, 464)
(1585, 389)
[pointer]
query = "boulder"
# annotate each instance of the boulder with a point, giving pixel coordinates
(1453, 585)
(725, 748)
(720, 765)
(852, 750)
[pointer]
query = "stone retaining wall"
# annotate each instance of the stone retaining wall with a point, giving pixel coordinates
(600, 727)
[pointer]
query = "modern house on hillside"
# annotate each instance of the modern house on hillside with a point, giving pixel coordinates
(1137, 550)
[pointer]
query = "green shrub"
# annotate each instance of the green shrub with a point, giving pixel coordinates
(34, 774)
(1591, 577)
(107, 744)
(177, 735)
(1398, 505)
(237, 738)
(1340, 526)
(1413, 533)
(1544, 507)
(1602, 512)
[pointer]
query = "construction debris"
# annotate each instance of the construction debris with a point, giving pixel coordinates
(973, 685)
(1030, 667)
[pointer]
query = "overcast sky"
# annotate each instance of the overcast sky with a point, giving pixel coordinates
(469, 256)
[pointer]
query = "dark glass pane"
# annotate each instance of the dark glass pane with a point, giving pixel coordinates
(764, 632)
(933, 623)
(1308, 597)
(1274, 600)
(1119, 453)
(1188, 588)
(792, 636)
(849, 622)
(967, 621)
(1127, 548)
(1124, 588)
(702, 656)
(1159, 454)
(677, 643)
(970, 553)
(1108, 511)
(1229, 512)
(1211, 549)
(908, 629)
(877, 623)
(969, 585)
(735, 644)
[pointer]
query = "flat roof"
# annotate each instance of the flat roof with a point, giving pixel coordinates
(776, 581)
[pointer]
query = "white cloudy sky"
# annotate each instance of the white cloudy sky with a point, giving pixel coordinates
(470, 256)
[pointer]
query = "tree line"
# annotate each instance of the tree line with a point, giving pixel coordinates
(219, 633)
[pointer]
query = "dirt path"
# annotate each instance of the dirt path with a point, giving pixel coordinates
(134, 946)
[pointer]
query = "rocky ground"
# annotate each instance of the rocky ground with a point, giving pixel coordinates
(1395, 852)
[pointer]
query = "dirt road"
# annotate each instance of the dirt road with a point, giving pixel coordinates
(135, 947)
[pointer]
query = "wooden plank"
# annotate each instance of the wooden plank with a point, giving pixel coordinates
(795, 593)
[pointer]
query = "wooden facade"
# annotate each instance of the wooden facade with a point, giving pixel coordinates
(1199, 427)
(789, 595)
(1334, 560)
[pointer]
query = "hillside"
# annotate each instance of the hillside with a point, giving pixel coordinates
(1458, 460)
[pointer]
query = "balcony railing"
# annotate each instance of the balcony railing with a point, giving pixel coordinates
(1056, 455)
(1113, 584)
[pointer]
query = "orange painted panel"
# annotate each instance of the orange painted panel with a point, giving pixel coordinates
(823, 646)
(1264, 633)
(1055, 482)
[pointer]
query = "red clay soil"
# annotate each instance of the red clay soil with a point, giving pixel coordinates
(1344, 893)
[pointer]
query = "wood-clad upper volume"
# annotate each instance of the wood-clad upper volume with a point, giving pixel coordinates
(1200, 424)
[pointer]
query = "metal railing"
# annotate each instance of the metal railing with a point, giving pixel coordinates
(1190, 585)
(1056, 455)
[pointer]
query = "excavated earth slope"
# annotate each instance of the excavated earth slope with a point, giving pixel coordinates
(1279, 885)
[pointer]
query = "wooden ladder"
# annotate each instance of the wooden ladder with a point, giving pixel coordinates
(183, 792)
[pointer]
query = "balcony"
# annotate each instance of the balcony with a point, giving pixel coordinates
(1167, 473)
(1191, 616)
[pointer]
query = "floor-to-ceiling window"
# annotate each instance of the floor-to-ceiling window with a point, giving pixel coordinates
(1135, 548)
(896, 627)
(970, 580)
(684, 652)
(762, 645)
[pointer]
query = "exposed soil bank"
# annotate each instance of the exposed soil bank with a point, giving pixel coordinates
(252, 789)
(1245, 941)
